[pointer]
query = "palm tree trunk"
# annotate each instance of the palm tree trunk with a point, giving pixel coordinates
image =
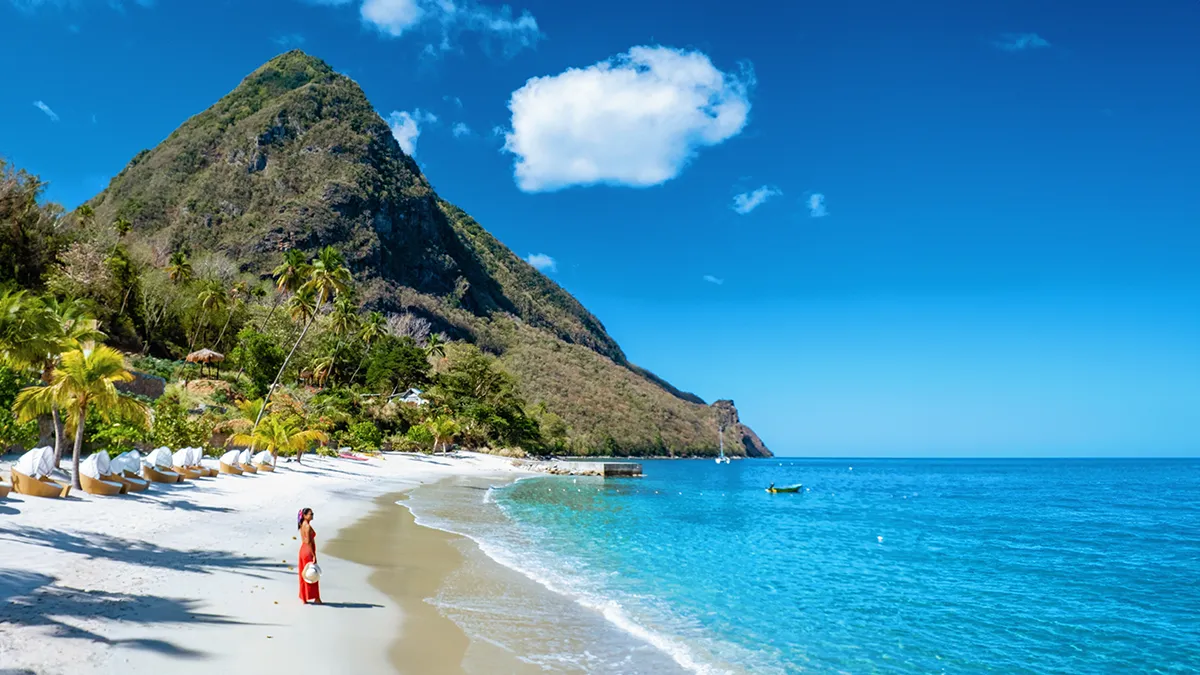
(199, 327)
(263, 328)
(360, 364)
(282, 368)
(60, 432)
(78, 445)
(222, 335)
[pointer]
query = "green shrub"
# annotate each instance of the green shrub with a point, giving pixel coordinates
(365, 436)
(260, 357)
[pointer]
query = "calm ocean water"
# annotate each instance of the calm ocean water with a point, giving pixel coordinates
(878, 566)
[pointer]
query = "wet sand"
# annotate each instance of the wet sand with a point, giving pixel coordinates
(410, 564)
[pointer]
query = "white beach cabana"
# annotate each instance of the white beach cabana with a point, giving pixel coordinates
(31, 474)
(124, 469)
(245, 459)
(95, 476)
(264, 461)
(156, 466)
(230, 463)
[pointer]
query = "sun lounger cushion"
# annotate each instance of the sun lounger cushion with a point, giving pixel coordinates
(37, 463)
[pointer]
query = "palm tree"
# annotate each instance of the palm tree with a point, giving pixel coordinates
(276, 434)
(211, 299)
(302, 306)
(289, 276)
(86, 377)
(122, 226)
(328, 278)
(434, 346)
(179, 268)
(237, 294)
(444, 430)
(373, 328)
(35, 332)
(85, 213)
(322, 368)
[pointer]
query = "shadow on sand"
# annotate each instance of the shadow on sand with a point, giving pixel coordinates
(34, 599)
(97, 545)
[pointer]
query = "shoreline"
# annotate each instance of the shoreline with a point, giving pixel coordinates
(409, 564)
(200, 577)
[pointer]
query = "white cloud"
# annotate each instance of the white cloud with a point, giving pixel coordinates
(460, 130)
(46, 109)
(448, 19)
(635, 119)
(748, 201)
(713, 280)
(816, 205)
(542, 262)
(406, 127)
(1017, 42)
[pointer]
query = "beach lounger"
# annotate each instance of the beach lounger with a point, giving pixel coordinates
(132, 484)
(125, 468)
(229, 463)
(4, 489)
(31, 475)
(95, 476)
(264, 462)
(155, 476)
(95, 486)
(245, 462)
(38, 487)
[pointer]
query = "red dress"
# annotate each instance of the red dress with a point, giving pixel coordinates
(308, 591)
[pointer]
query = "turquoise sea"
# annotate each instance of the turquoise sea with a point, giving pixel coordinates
(877, 566)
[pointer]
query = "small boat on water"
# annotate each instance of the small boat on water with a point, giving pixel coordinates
(791, 488)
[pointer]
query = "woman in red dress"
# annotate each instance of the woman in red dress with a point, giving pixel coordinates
(308, 554)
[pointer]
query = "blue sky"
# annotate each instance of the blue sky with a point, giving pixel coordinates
(922, 229)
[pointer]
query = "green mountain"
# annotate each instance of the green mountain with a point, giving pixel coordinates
(296, 157)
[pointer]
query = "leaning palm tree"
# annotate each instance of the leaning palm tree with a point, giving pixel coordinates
(86, 378)
(289, 276)
(238, 293)
(276, 434)
(211, 299)
(328, 278)
(179, 268)
(373, 328)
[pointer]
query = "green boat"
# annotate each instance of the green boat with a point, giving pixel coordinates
(791, 488)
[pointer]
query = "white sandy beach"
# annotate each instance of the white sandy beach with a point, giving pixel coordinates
(199, 577)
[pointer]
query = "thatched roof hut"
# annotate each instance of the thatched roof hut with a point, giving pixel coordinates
(206, 356)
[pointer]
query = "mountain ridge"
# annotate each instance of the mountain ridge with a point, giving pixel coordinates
(296, 157)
